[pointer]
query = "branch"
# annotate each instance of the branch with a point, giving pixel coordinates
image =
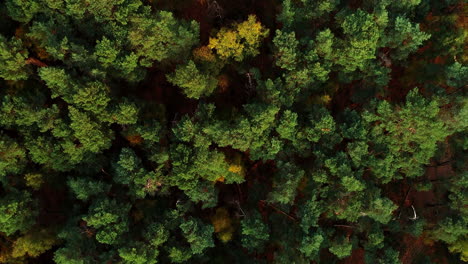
(406, 196)
(36, 62)
(415, 216)
(347, 226)
(438, 164)
(240, 208)
(279, 211)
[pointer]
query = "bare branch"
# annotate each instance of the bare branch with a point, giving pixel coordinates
(414, 216)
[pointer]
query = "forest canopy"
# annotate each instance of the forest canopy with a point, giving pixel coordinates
(250, 131)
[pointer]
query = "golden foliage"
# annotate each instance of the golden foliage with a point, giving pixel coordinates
(236, 165)
(235, 169)
(34, 243)
(220, 179)
(320, 99)
(227, 44)
(252, 32)
(222, 224)
(241, 41)
(460, 246)
(34, 180)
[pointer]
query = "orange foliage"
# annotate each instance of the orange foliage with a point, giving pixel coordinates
(223, 82)
(19, 32)
(134, 139)
(41, 53)
(5, 253)
(220, 179)
(203, 53)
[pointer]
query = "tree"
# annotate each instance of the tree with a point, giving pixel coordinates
(456, 75)
(405, 38)
(198, 235)
(129, 171)
(222, 224)
(13, 157)
(309, 148)
(139, 253)
(85, 188)
(110, 220)
(341, 248)
(18, 212)
(13, 59)
(241, 41)
(287, 46)
(417, 127)
(194, 83)
(311, 245)
(160, 37)
(255, 232)
(362, 36)
(285, 183)
(90, 134)
(34, 243)
(287, 127)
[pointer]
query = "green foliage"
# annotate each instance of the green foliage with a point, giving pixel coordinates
(255, 232)
(307, 152)
(362, 36)
(389, 256)
(110, 219)
(341, 248)
(405, 38)
(12, 157)
(381, 210)
(451, 229)
(139, 253)
(405, 138)
(13, 59)
(18, 212)
(160, 37)
(194, 83)
(90, 134)
(287, 46)
(198, 235)
(84, 188)
(287, 126)
(457, 75)
(311, 245)
(285, 183)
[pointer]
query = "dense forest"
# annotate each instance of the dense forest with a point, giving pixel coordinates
(248, 131)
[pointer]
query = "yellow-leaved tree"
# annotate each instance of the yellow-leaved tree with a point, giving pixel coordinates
(241, 41)
(222, 224)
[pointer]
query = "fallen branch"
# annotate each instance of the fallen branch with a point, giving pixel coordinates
(415, 216)
(347, 226)
(279, 210)
(36, 62)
